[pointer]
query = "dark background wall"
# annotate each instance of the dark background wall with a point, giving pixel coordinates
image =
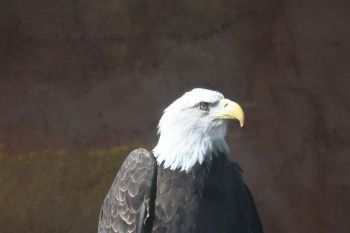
(84, 82)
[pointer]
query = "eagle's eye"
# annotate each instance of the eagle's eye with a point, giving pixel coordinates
(204, 106)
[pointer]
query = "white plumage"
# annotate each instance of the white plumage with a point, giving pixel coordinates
(187, 134)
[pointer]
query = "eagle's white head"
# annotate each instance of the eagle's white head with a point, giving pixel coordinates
(193, 128)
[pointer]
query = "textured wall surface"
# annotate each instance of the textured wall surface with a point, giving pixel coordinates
(79, 76)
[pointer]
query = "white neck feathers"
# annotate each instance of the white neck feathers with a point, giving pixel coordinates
(182, 150)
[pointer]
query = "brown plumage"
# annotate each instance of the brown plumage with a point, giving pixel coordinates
(211, 197)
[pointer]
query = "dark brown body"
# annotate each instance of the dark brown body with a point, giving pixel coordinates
(209, 198)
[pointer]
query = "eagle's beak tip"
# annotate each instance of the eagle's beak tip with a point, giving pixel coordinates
(232, 110)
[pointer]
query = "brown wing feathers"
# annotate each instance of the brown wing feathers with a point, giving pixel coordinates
(125, 206)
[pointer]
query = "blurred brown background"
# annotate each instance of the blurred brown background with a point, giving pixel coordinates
(84, 82)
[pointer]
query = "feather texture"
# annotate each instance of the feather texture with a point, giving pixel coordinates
(126, 207)
(207, 199)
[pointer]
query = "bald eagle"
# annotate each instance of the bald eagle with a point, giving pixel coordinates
(186, 184)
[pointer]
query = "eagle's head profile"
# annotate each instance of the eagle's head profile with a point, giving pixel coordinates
(193, 128)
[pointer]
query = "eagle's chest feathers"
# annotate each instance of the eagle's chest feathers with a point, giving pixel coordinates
(180, 195)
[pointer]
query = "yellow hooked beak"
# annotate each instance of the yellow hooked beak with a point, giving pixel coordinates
(230, 110)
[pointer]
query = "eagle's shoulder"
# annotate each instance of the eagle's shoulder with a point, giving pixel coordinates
(234, 167)
(243, 199)
(126, 205)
